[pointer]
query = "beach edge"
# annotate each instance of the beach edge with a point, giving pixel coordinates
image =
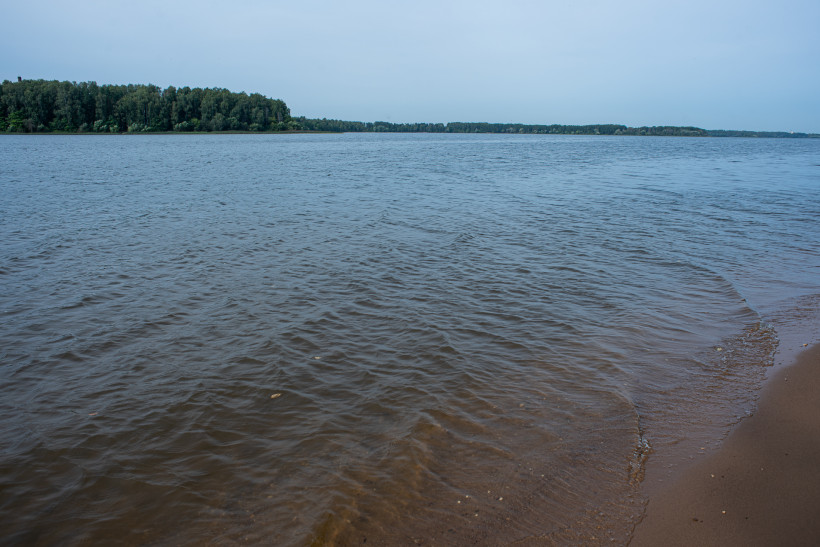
(762, 486)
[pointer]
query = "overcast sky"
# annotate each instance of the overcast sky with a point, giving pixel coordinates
(714, 64)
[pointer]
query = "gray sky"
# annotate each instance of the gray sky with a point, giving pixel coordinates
(714, 64)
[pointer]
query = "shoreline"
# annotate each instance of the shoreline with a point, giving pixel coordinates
(324, 132)
(762, 485)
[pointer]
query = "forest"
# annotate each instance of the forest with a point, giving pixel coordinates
(483, 127)
(40, 106)
(34, 106)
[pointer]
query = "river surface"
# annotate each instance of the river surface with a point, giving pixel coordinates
(399, 339)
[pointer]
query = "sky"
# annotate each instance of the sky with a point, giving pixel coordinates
(717, 64)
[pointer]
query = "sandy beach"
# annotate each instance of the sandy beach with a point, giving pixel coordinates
(762, 486)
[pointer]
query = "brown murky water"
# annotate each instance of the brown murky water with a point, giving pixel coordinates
(390, 339)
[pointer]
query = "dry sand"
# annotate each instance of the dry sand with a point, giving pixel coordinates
(762, 487)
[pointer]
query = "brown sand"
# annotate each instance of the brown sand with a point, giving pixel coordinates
(762, 487)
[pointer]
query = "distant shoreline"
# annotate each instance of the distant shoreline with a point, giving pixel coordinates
(540, 129)
(752, 135)
(63, 108)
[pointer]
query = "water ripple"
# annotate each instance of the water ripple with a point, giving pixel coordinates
(331, 338)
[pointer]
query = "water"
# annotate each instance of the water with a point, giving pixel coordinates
(443, 339)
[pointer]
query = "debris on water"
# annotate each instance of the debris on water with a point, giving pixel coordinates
(275, 395)
(317, 357)
(718, 348)
(92, 413)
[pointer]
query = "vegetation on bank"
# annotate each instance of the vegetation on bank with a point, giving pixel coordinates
(40, 106)
(483, 127)
(762, 134)
(554, 129)
(30, 106)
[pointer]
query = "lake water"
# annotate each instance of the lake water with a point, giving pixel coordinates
(398, 339)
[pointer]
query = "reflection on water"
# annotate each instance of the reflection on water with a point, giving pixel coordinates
(300, 339)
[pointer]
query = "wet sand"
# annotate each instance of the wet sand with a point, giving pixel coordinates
(762, 487)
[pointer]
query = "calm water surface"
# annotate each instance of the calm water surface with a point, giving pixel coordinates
(444, 339)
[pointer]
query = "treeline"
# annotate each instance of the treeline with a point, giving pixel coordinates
(554, 129)
(342, 126)
(762, 134)
(33, 106)
(30, 106)
(483, 127)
